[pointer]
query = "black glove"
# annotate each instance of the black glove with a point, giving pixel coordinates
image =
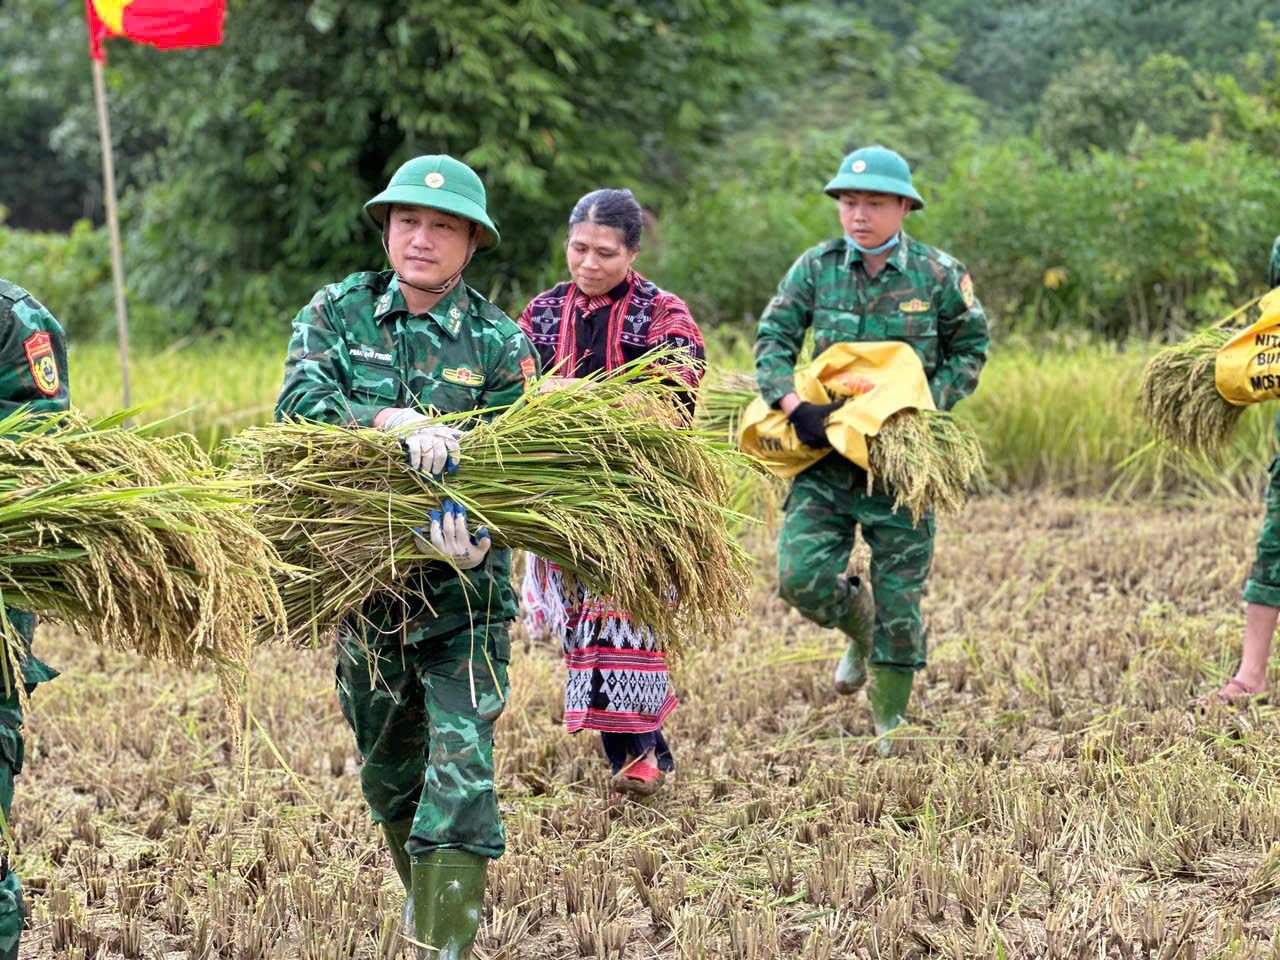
(810, 421)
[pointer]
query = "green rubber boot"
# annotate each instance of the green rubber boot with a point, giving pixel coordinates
(890, 690)
(397, 836)
(12, 914)
(448, 902)
(851, 671)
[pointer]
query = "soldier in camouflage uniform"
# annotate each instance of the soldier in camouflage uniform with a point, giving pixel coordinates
(378, 350)
(873, 284)
(33, 373)
(1262, 590)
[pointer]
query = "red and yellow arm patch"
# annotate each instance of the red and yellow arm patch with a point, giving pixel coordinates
(44, 370)
(530, 370)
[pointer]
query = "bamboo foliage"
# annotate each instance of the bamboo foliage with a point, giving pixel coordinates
(599, 477)
(131, 540)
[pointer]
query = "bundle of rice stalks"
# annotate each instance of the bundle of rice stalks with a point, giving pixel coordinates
(1179, 394)
(929, 459)
(722, 397)
(588, 477)
(132, 541)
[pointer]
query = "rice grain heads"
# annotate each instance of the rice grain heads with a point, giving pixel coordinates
(131, 540)
(599, 477)
(1179, 394)
(929, 459)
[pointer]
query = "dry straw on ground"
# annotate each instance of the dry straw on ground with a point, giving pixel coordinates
(1054, 797)
(131, 540)
(593, 477)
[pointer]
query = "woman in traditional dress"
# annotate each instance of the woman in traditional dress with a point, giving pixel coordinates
(605, 317)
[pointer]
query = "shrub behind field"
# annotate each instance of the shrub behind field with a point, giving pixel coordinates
(1131, 243)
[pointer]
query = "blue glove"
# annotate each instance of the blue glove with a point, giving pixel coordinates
(449, 537)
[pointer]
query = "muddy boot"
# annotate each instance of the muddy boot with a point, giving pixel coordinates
(397, 836)
(851, 671)
(889, 692)
(448, 902)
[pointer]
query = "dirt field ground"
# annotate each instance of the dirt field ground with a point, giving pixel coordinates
(1056, 796)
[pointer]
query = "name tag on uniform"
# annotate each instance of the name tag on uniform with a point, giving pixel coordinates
(368, 354)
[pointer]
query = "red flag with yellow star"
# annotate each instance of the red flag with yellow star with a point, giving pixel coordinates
(162, 23)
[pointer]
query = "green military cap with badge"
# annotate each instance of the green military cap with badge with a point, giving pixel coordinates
(441, 183)
(875, 169)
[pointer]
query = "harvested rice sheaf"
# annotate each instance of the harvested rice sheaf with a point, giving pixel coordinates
(1180, 397)
(928, 458)
(133, 541)
(590, 477)
(722, 398)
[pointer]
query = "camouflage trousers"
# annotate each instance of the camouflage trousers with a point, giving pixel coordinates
(34, 672)
(427, 747)
(1263, 585)
(827, 504)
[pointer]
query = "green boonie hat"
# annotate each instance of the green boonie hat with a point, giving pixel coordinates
(441, 183)
(877, 170)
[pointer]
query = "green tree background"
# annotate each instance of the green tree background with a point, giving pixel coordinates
(1108, 165)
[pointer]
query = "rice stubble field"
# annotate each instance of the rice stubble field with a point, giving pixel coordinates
(1056, 796)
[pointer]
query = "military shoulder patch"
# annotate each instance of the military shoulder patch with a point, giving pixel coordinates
(530, 371)
(966, 291)
(914, 306)
(463, 375)
(44, 371)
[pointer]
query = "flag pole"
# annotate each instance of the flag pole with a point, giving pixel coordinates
(113, 223)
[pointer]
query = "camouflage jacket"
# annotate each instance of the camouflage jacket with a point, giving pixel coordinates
(356, 350)
(33, 373)
(33, 354)
(1273, 268)
(921, 296)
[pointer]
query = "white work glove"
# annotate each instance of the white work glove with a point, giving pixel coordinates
(450, 539)
(432, 449)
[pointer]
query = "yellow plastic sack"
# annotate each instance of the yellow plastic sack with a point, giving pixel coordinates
(899, 383)
(1247, 369)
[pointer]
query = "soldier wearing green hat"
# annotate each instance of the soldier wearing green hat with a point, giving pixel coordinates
(422, 675)
(874, 283)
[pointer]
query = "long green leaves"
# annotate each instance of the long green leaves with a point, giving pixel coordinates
(600, 478)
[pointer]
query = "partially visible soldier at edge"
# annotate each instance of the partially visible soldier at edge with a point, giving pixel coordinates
(875, 283)
(422, 690)
(1262, 590)
(33, 374)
